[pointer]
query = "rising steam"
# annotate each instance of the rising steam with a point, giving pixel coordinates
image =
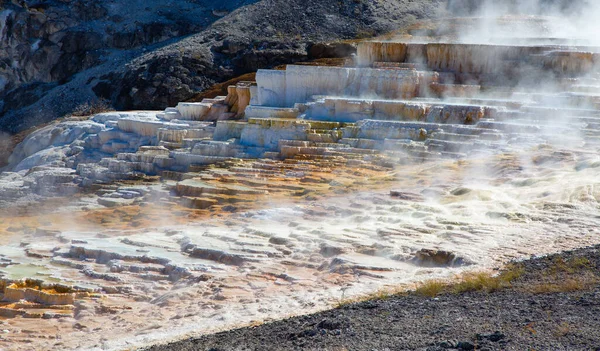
(572, 21)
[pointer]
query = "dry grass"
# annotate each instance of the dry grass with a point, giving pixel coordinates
(473, 281)
(378, 295)
(431, 288)
(560, 265)
(512, 272)
(562, 286)
(571, 275)
(565, 275)
(479, 281)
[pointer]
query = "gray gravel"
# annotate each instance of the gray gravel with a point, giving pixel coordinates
(509, 319)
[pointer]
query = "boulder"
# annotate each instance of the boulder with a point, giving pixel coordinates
(437, 258)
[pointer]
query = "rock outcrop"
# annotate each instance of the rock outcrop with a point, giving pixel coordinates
(44, 44)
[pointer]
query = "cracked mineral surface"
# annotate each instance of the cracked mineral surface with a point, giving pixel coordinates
(421, 159)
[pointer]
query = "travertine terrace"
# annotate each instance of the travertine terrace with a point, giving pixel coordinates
(313, 184)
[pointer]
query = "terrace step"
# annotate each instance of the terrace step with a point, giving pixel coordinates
(449, 146)
(453, 137)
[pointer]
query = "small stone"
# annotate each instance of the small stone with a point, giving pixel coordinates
(460, 191)
(330, 251)
(279, 240)
(437, 258)
(329, 324)
(220, 297)
(400, 195)
(495, 337)
(465, 345)
(447, 344)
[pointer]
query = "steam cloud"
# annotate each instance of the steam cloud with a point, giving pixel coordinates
(574, 20)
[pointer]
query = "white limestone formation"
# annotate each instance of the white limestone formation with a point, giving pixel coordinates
(239, 97)
(423, 100)
(271, 89)
(215, 109)
(298, 84)
(193, 110)
(499, 157)
(226, 130)
(481, 58)
(271, 112)
(371, 52)
(147, 127)
(267, 132)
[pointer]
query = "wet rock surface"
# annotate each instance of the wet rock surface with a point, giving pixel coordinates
(326, 241)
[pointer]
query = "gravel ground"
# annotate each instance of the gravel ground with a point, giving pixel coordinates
(553, 304)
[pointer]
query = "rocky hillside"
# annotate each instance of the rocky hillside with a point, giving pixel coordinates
(56, 55)
(43, 44)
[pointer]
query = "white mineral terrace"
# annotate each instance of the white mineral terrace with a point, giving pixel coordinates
(297, 191)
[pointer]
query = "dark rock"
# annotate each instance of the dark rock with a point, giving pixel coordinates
(330, 251)
(279, 240)
(369, 305)
(331, 324)
(330, 50)
(231, 47)
(494, 337)
(400, 195)
(465, 345)
(308, 333)
(447, 344)
(218, 256)
(460, 191)
(437, 258)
